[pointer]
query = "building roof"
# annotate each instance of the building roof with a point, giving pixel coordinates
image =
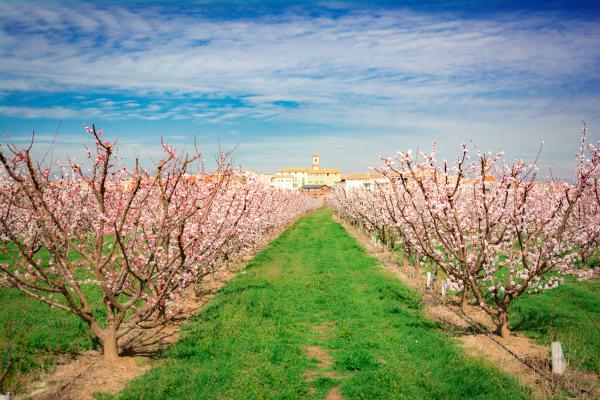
(314, 186)
(315, 155)
(309, 171)
(323, 171)
(357, 177)
(293, 170)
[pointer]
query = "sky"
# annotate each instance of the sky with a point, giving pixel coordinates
(280, 80)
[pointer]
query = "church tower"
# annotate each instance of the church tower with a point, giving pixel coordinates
(315, 161)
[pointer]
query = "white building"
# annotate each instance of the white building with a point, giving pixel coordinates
(266, 178)
(283, 182)
(354, 181)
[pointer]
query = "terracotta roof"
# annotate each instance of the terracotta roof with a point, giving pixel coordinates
(489, 178)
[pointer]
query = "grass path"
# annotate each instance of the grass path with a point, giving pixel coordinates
(313, 317)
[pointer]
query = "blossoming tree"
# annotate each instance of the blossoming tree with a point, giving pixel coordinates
(493, 227)
(138, 237)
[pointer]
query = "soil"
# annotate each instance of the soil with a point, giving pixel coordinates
(323, 358)
(334, 394)
(88, 374)
(325, 329)
(324, 361)
(517, 355)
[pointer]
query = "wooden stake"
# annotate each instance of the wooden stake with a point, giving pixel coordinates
(559, 364)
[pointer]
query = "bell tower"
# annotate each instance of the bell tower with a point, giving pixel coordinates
(315, 161)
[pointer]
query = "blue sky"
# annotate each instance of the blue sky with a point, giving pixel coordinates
(281, 80)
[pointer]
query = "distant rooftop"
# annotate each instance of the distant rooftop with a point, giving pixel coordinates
(310, 171)
(322, 171)
(356, 177)
(293, 170)
(314, 186)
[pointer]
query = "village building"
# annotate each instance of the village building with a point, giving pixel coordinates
(265, 178)
(283, 181)
(355, 181)
(298, 178)
(316, 191)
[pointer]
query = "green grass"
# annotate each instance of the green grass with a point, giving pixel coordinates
(570, 314)
(32, 334)
(250, 341)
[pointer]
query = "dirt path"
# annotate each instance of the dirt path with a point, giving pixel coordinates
(325, 331)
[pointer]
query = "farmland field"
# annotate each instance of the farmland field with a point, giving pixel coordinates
(314, 314)
(314, 286)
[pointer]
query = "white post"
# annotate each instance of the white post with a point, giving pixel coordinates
(443, 288)
(429, 276)
(559, 364)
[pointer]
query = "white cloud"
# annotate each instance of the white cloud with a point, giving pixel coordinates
(38, 112)
(315, 60)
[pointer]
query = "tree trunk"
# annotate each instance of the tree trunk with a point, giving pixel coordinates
(583, 260)
(502, 324)
(434, 274)
(110, 344)
(464, 298)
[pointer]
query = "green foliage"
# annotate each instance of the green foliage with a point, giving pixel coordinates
(250, 341)
(570, 314)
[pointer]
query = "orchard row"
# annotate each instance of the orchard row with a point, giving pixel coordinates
(495, 228)
(143, 238)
